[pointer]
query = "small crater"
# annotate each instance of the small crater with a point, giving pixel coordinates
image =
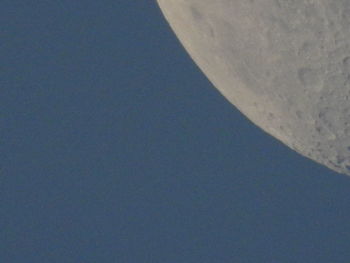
(271, 116)
(340, 159)
(199, 18)
(299, 114)
(196, 14)
(346, 64)
(305, 49)
(335, 164)
(308, 77)
(347, 131)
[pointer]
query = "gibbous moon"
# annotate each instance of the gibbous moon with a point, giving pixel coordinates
(284, 64)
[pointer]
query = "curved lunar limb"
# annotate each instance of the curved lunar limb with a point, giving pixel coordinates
(284, 64)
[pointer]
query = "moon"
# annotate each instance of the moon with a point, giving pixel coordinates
(284, 64)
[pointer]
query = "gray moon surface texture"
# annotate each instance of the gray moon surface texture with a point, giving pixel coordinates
(285, 64)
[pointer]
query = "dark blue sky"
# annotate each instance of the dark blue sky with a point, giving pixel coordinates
(116, 148)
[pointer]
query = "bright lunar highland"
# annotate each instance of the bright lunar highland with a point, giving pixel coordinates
(285, 64)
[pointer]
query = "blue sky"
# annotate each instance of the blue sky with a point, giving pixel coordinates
(116, 148)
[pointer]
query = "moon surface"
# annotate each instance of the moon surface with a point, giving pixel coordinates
(285, 64)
